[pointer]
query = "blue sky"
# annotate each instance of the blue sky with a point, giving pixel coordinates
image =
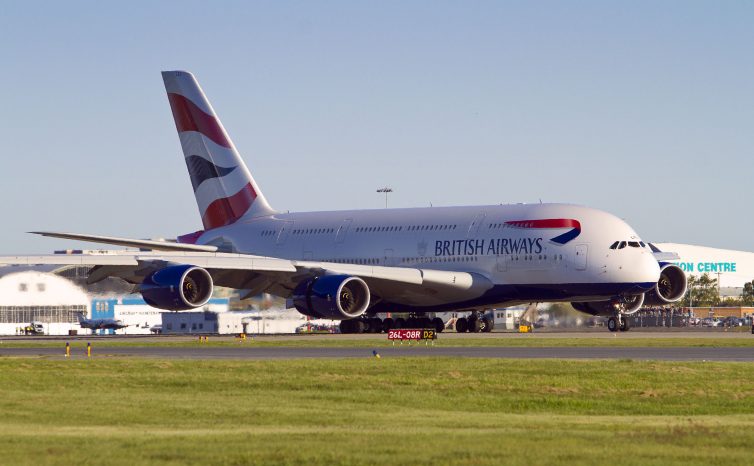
(644, 109)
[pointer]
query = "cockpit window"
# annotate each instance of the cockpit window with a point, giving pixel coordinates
(632, 244)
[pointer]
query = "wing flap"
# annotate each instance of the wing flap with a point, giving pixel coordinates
(397, 274)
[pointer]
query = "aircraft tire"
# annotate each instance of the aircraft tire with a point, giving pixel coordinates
(438, 324)
(475, 325)
(411, 323)
(375, 325)
(359, 326)
(486, 325)
(462, 325)
(345, 326)
(491, 321)
(624, 326)
(387, 324)
(400, 322)
(612, 324)
(425, 323)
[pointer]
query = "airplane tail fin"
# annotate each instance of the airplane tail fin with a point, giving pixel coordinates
(81, 317)
(223, 186)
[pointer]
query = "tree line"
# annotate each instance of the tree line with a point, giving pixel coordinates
(704, 292)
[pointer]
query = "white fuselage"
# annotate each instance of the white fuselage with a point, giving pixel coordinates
(530, 252)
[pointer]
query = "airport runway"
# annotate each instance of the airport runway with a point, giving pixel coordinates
(249, 352)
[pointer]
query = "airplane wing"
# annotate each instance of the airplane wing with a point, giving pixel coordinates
(663, 256)
(258, 274)
(131, 243)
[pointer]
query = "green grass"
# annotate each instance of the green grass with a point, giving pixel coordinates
(375, 411)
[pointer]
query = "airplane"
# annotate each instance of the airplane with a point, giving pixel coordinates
(360, 266)
(100, 324)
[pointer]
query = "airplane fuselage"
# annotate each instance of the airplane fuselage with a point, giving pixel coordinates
(530, 252)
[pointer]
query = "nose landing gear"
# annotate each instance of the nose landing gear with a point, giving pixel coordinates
(618, 322)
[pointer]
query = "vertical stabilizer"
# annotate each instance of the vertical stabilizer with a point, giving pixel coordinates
(224, 188)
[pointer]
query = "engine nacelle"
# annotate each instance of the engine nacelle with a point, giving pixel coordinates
(332, 297)
(627, 305)
(671, 286)
(177, 288)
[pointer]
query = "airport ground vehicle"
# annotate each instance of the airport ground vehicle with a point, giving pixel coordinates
(34, 328)
(356, 265)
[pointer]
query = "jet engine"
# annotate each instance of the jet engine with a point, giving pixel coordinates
(671, 286)
(627, 305)
(177, 288)
(332, 297)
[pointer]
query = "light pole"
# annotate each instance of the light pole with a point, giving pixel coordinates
(385, 190)
(719, 291)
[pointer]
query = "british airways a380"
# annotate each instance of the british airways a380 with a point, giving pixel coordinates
(358, 265)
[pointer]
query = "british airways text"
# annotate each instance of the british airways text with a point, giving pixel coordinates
(468, 247)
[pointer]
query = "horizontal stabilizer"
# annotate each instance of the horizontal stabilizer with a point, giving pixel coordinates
(131, 243)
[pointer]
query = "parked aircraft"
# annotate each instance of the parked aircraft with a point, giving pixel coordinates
(100, 324)
(360, 264)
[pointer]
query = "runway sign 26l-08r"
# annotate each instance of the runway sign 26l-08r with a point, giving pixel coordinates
(412, 334)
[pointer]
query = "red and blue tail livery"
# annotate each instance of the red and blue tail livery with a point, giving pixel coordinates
(224, 188)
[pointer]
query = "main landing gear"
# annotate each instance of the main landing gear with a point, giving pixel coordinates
(474, 323)
(618, 322)
(377, 325)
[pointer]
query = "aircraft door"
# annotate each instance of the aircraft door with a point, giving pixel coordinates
(475, 224)
(502, 262)
(284, 231)
(580, 257)
(343, 230)
(389, 258)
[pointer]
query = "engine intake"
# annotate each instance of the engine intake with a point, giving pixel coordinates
(671, 286)
(332, 297)
(177, 288)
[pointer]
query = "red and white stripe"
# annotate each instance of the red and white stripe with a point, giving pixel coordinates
(221, 200)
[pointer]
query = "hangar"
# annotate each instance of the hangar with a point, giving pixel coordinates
(32, 296)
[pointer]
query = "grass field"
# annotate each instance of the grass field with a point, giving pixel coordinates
(375, 411)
